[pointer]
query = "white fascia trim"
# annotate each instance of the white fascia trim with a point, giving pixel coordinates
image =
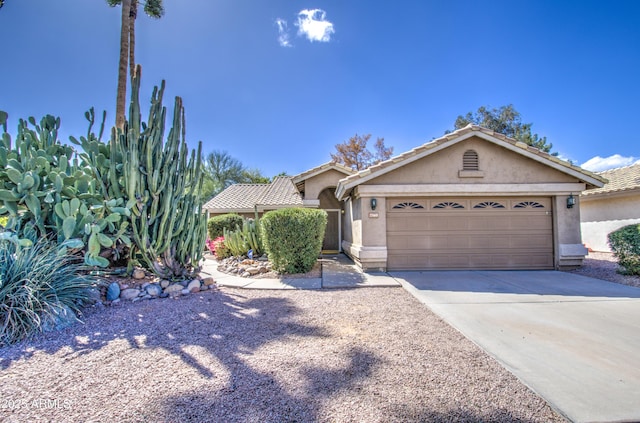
(469, 189)
(302, 177)
(543, 160)
(342, 188)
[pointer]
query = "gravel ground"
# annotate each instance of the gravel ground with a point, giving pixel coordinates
(604, 266)
(358, 355)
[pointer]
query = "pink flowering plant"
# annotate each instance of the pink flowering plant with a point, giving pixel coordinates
(220, 250)
(211, 245)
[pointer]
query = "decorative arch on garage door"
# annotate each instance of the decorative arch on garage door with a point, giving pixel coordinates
(470, 233)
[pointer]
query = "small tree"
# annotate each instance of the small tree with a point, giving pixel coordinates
(507, 121)
(354, 153)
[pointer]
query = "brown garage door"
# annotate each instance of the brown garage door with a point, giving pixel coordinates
(469, 233)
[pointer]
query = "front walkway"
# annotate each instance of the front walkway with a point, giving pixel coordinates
(338, 271)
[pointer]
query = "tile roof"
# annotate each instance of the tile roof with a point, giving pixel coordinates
(322, 168)
(620, 179)
(452, 137)
(244, 197)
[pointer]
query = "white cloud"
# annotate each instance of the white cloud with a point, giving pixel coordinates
(599, 164)
(313, 25)
(283, 33)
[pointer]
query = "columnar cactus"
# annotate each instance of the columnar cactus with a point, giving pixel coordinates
(161, 184)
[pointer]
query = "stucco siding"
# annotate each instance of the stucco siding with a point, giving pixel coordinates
(496, 164)
(603, 215)
(316, 184)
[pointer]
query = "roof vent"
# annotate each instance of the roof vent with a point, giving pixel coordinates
(470, 160)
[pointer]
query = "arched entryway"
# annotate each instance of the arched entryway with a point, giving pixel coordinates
(333, 233)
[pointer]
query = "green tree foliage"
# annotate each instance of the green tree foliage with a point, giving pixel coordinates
(354, 153)
(154, 9)
(625, 244)
(293, 238)
(222, 170)
(507, 121)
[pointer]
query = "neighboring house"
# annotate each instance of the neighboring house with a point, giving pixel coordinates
(249, 199)
(472, 199)
(611, 207)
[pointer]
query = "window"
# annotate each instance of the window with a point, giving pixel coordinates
(448, 204)
(526, 204)
(408, 205)
(470, 160)
(488, 205)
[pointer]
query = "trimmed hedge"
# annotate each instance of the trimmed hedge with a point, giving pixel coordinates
(217, 224)
(293, 238)
(625, 244)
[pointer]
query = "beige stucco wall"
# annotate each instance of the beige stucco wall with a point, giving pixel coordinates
(498, 165)
(568, 245)
(604, 214)
(499, 168)
(316, 184)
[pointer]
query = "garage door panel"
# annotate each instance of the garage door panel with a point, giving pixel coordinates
(518, 236)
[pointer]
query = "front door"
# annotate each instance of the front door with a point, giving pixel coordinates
(331, 243)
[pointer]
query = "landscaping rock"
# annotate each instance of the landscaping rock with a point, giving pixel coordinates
(185, 291)
(245, 274)
(58, 319)
(139, 274)
(263, 269)
(113, 291)
(176, 287)
(208, 281)
(153, 289)
(194, 285)
(252, 270)
(164, 283)
(129, 294)
(94, 295)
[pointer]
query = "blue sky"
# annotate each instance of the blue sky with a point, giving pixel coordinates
(277, 83)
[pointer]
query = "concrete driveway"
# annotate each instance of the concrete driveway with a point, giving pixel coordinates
(574, 340)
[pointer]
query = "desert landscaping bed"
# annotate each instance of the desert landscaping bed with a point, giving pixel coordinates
(605, 266)
(368, 354)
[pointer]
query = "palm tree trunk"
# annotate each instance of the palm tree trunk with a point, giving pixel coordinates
(121, 97)
(133, 14)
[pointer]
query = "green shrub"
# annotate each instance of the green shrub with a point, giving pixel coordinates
(39, 289)
(293, 238)
(217, 224)
(625, 244)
